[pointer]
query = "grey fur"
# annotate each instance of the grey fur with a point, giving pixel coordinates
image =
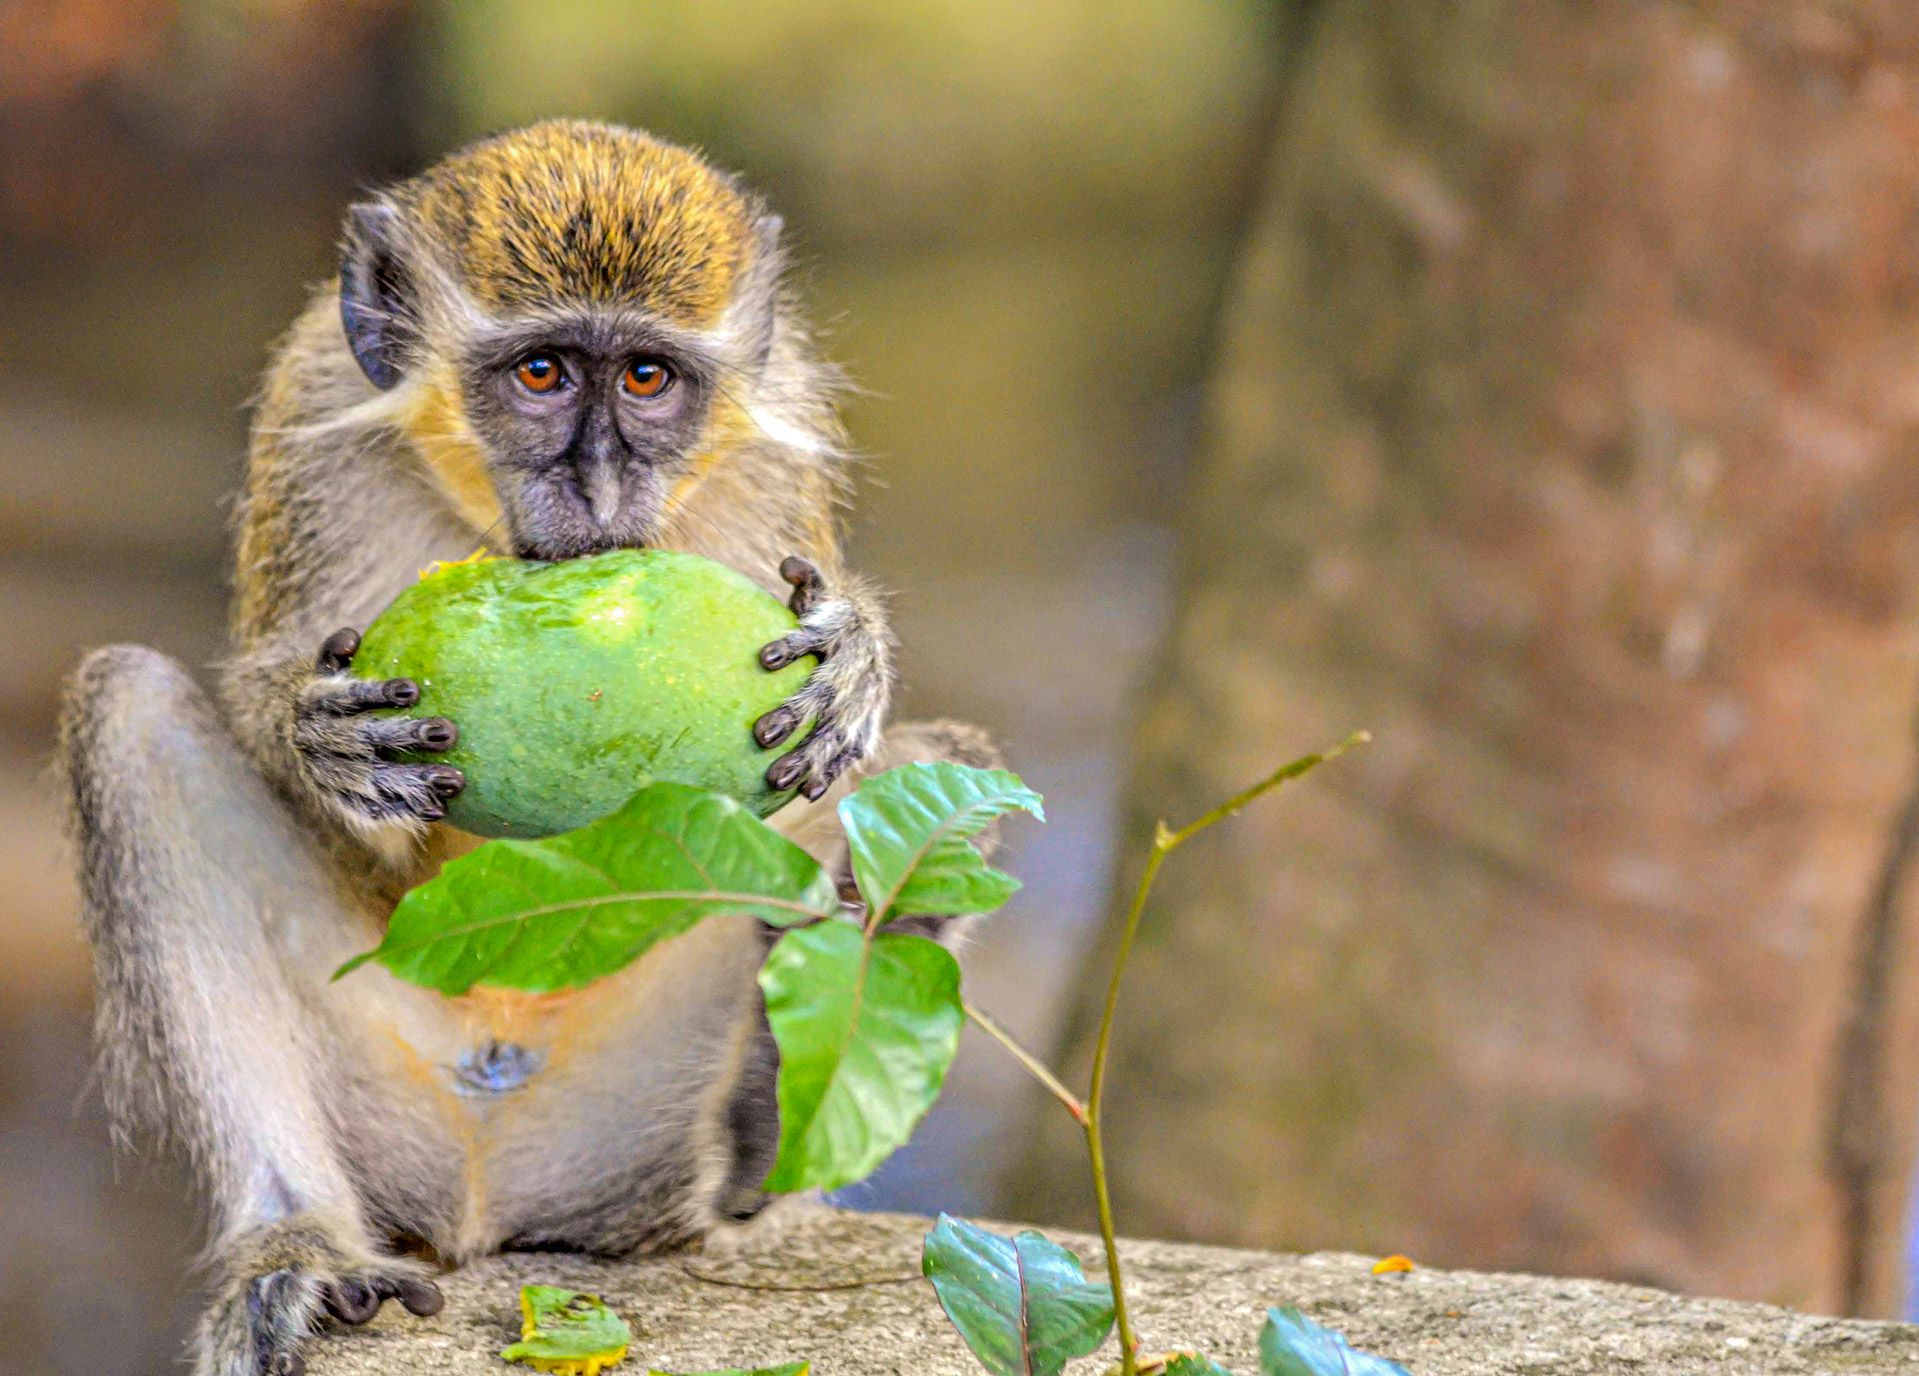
(232, 856)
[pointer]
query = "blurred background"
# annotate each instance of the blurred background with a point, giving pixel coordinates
(1534, 384)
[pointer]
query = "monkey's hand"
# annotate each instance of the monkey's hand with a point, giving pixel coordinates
(346, 754)
(847, 694)
(275, 1287)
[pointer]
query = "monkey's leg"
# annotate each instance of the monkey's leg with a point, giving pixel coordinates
(753, 1113)
(196, 882)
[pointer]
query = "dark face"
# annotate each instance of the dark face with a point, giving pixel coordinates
(586, 425)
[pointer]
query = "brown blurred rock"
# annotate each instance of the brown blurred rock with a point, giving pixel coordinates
(1563, 434)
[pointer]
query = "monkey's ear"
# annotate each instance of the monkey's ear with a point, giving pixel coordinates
(376, 293)
(757, 301)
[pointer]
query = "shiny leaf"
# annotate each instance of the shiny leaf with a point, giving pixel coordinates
(790, 1369)
(866, 1029)
(1291, 1344)
(908, 830)
(561, 912)
(1022, 1303)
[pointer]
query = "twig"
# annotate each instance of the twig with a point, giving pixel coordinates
(1034, 1066)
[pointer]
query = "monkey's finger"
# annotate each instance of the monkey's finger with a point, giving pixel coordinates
(445, 780)
(419, 789)
(411, 733)
(338, 650)
(806, 580)
(788, 648)
(838, 765)
(799, 768)
(776, 726)
(786, 771)
(363, 695)
(351, 1301)
(287, 1362)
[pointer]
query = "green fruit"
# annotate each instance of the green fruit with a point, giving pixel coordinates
(574, 684)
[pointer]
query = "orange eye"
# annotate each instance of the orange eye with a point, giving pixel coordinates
(645, 378)
(540, 373)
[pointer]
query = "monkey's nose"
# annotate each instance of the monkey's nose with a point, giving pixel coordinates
(600, 485)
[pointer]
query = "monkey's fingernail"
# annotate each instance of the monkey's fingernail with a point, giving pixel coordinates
(445, 780)
(849, 890)
(338, 650)
(815, 788)
(432, 812)
(401, 692)
(786, 771)
(777, 655)
(437, 733)
(289, 1363)
(352, 1301)
(420, 1298)
(775, 727)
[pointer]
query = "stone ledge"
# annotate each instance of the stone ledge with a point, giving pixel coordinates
(1439, 1323)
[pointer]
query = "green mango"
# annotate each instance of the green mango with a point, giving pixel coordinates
(574, 684)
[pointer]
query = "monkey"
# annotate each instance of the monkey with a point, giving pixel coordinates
(560, 340)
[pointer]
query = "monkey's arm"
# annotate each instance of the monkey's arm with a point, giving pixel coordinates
(843, 622)
(312, 562)
(201, 894)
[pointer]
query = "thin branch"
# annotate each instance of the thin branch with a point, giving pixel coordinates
(1031, 1063)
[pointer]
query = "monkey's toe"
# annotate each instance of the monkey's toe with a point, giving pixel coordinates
(420, 1298)
(351, 1301)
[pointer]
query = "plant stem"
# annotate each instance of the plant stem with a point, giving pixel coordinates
(1033, 1065)
(1087, 1114)
(1165, 842)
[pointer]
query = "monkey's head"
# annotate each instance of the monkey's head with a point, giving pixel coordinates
(560, 316)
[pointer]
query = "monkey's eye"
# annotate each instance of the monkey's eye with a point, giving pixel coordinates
(540, 374)
(646, 377)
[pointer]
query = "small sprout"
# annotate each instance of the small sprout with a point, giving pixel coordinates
(1189, 1364)
(567, 1333)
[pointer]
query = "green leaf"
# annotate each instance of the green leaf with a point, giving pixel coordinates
(1022, 1303)
(1290, 1344)
(565, 1331)
(1192, 1364)
(561, 912)
(907, 830)
(790, 1369)
(866, 1029)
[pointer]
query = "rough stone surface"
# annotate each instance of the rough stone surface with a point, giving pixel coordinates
(872, 1314)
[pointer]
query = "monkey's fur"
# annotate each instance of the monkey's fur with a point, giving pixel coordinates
(232, 858)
